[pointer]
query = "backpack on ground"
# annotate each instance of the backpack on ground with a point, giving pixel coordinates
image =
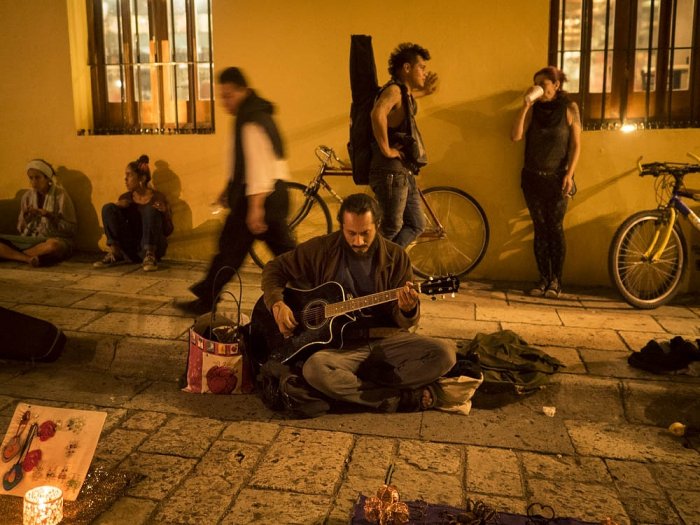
(364, 88)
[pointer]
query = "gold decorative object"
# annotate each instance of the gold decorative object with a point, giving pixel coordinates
(43, 506)
(385, 508)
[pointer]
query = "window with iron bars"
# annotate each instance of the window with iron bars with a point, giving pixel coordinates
(630, 63)
(151, 66)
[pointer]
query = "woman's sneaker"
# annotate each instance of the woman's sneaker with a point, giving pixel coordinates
(553, 290)
(539, 289)
(110, 260)
(149, 263)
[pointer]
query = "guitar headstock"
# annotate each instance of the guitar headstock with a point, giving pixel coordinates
(439, 285)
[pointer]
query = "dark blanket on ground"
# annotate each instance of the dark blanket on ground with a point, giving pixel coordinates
(422, 513)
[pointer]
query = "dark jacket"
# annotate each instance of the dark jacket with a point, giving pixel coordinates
(257, 110)
(317, 261)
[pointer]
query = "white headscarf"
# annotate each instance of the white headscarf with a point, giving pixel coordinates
(42, 166)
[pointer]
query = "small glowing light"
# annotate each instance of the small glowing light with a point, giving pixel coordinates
(43, 506)
(118, 83)
(628, 128)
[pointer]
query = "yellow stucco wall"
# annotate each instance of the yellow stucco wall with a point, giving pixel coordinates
(296, 54)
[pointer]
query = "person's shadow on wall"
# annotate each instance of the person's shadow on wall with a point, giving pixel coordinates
(185, 242)
(9, 212)
(79, 187)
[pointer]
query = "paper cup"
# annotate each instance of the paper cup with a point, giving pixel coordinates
(533, 94)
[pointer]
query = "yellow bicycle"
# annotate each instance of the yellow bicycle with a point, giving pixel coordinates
(648, 253)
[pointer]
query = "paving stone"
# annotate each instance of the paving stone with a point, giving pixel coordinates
(507, 427)
(162, 473)
(629, 442)
(634, 480)
(662, 402)
(437, 326)
(184, 436)
(493, 471)
(674, 476)
(414, 483)
(139, 325)
(159, 359)
(607, 320)
(251, 432)
(230, 460)
(306, 461)
(518, 314)
(64, 318)
(115, 283)
(685, 327)
(573, 468)
(117, 445)
(79, 386)
(144, 421)
(267, 506)
(635, 341)
(656, 511)
(520, 297)
(174, 289)
(127, 510)
(688, 504)
(16, 294)
(406, 425)
(580, 396)
(433, 457)
(91, 350)
(450, 307)
(610, 364)
(42, 278)
(570, 336)
(167, 397)
(122, 302)
(200, 499)
(585, 501)
(569, 356)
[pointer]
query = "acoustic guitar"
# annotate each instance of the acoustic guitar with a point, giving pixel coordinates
(323, 313)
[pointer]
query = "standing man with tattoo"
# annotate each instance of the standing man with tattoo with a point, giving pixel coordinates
(551, 125)
(398, 151)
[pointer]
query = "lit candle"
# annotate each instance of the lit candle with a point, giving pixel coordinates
(43, 506)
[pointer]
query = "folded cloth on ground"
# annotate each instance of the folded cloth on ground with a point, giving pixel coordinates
(666, 356)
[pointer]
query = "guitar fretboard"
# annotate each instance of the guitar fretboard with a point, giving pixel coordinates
(358, 303)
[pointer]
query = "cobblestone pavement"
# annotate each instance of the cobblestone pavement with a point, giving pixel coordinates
(229, 460)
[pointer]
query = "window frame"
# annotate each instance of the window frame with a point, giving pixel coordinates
(621, 105)
(163, 113)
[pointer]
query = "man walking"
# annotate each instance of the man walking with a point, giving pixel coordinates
(256, 191)
(398, 152)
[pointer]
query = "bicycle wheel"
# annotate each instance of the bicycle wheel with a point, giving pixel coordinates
(641, 282)
(307, 218)
(460, 245)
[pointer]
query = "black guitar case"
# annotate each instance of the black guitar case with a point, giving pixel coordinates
(26, 338)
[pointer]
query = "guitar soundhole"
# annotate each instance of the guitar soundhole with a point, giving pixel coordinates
(313, 316)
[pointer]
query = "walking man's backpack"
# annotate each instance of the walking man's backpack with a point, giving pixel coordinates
(364, 87)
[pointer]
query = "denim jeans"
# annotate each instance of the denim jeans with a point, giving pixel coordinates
(135, 229)
(398, 197)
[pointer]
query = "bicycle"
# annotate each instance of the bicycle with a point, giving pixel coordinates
(454, 241)
(647, 256)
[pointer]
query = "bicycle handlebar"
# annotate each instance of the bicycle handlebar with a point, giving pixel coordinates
(676, 169)
(327, 156)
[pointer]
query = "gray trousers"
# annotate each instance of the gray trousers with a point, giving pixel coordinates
(373, 372)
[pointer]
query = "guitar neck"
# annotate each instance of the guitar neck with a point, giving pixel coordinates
(358, 303)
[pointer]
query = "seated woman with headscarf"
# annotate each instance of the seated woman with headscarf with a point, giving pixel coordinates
(46, 224)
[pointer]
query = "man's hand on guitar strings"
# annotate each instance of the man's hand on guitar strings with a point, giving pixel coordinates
(407, 297)
(284, 317)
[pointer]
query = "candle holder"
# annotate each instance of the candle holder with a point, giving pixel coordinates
(43, 506)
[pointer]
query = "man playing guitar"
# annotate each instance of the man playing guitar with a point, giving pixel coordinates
(373, 359)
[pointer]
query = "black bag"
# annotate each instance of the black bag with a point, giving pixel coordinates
(26, 338)
(364, 88)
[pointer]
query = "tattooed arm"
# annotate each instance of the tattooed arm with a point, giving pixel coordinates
(574, 118)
